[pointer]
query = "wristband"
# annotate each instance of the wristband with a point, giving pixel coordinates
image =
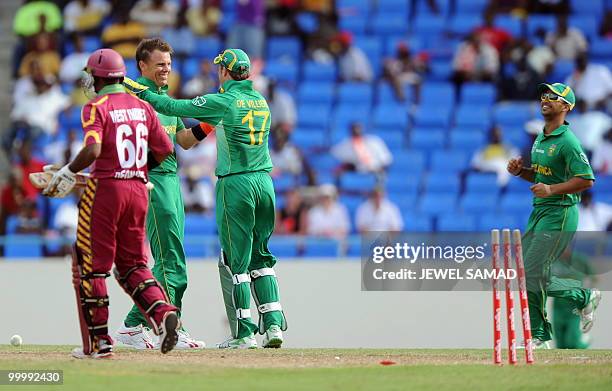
(201, 130)
(151, 161)
(519, 173)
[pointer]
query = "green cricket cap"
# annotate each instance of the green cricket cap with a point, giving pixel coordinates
(235, 60)
(565, 92)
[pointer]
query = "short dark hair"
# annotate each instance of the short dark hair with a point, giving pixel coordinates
(238, 76)
(147, 46)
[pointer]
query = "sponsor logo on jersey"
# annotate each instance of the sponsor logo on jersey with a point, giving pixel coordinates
(551, 149)
(539, 169)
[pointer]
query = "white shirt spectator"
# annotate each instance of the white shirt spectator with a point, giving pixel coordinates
(595, 217)
(328, 218)
(81, 18)
(72, 67)
(590, 127)
(470, 60)
(66, 218)
(41, 110)
(202, 156)
(602, 158)
(155, 19)
(569, 46)
(594, 85)
(287, 160)
(201, 195)
(540, 58)
(367, 153)
(355, 66)
(385, 218)
(282, 108)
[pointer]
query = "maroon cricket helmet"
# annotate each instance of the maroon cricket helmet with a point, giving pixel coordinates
(106, 63)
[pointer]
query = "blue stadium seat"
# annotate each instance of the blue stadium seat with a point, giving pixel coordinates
(358, 93)
(417, 222)
(586, 23)
(591, 7)
(562, 69)
(390, 115)
(478, 202)
(355, 182)
(434, 204)
(428, 25)
(199, 224)
(442, 183)
(287, 73)
(485, 183)
(437, 94)
(466, 140)
(603, 184)
(320, 248)
(427, 138)
(346, 114)
(478, 94)
(353, 7)
(433, 116)
(312, 139)
(511, 24)
(510, 113)
(409, 161)
(471, 6)
(516, 203)
(307, 22)
(372, 47)
(352, 202)
(393, 138)
(449, 160)
(463, 24)
(440, 70)
(354, 24)
(600, 49)
(473, 116)
(314, 71)
(207, 47)
(190, 68)
(422, 8)
(491, 221)
(228, 19)
(286, 49)
(314, 115)
(323, 162)
(284, 182)
(12, 222)
(402, 186)
(70, 118)
(316, 92)
(283, 246)
(391, 43)
(536, 21)
(23, 246)
(454, 222)
(393, 6)
(385, 24)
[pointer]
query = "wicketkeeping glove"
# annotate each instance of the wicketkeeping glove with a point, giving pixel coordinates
(61, 183)
(133, 87)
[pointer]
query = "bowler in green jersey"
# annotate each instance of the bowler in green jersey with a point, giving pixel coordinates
(559, 171)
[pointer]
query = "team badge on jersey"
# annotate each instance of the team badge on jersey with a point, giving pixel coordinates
(199, 101)
(551, 149)
(584, 158)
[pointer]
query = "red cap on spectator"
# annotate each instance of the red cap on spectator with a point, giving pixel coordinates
(106, 63)
(345, 38)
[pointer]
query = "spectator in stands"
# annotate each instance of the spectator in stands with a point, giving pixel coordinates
(155, 15)
(475, 60)
(28, 219)
(589, 126)
(378, 214)
(602, 155)
(286, 158)
(282, 107)
(605, 29)
(567, 42)
(520, 85)
(491, 34)
(12, 198)
(204, 82)
(353, 64)
(84, 17)
(556, 7)
(65, 221)
(406, 69)
(61, 151)
(541, 57)
(28, 164)
(594, 216)
(180, 37)
(494, 156)
(248, 31)
(72, 65)
(328, 218)
(203, 156)
(37, 110)
(281, 17)
(203, 19)
(124, 35)
(291, 219)
(197, 193)
(363, 153)
(44, 53)
(591, 82)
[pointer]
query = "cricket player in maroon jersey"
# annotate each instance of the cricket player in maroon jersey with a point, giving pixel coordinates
(119, 130)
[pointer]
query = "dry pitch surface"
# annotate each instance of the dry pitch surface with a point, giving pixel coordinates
(315, 369)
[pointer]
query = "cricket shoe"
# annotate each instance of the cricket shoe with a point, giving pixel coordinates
(587, 314)
(105, 350)
(186, 342)
(248, 342)
(273, 337)
(536, 344)
(169, 332)
(135, 337)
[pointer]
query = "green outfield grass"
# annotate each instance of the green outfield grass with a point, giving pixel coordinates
(315, 369)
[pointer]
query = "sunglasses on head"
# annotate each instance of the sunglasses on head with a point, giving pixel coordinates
(549, 97)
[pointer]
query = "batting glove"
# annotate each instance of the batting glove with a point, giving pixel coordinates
(133, 87)
(61, 183)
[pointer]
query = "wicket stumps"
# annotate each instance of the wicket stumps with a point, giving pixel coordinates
(507, 244)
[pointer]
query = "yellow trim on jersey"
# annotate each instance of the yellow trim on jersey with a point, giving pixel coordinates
(94, 134)
(92, 114)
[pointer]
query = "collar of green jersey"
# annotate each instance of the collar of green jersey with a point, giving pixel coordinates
(112, 89)
(561, 129)
(236, 85)
(152, 86)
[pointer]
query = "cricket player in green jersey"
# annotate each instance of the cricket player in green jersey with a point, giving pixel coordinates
(560, 171)
(244, 196)
(166, 214)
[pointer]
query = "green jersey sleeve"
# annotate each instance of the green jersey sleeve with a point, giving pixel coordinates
(207, 108)
(577, 162)
(179, 125)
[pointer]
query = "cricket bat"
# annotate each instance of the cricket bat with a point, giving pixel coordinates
(40, 180)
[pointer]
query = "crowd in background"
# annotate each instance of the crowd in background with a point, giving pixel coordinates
(56, 37)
